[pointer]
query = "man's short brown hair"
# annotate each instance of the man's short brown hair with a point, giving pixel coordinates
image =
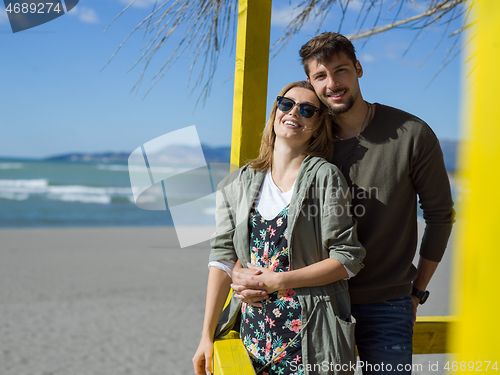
(324, 46)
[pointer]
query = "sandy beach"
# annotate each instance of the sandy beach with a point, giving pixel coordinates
(113, 301)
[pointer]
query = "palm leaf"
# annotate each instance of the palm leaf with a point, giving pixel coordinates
(208, 27)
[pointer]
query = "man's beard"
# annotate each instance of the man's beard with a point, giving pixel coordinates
(342, 108)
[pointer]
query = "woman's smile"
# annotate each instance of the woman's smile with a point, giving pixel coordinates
(291, 124)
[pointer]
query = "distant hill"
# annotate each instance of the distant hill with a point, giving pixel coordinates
(103, 157)
(175, 154)
(179, 154)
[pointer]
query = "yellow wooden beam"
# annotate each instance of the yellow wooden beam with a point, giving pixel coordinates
(430, 336)
(250, 78)
(476, 271)
(230, 356)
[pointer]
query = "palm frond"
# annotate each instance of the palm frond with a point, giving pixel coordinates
(208, 27)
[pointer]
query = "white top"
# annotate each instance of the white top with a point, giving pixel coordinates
(270, 201)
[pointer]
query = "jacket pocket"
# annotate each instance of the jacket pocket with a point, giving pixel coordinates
(345, 351)
(331, 348)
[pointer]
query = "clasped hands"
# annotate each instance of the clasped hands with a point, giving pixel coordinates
(254, 284)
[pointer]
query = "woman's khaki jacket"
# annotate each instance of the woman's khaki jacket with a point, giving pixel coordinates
(319, 226)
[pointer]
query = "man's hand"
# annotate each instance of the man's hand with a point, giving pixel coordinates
(414, 304)
(246, 287)
(426, 269)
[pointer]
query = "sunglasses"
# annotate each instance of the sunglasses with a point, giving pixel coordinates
(285, 105)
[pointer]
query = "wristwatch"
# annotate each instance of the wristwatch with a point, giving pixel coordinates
(422, 296)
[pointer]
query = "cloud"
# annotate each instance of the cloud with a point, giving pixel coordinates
(355, 5)
(283, 16)
(395, 51)
(366, 58)
(140, 3)
(418, 8)
(84, 14)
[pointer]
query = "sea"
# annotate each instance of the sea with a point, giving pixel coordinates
(48, 193)
(41, 193)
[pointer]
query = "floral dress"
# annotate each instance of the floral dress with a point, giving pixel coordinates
(271, 332)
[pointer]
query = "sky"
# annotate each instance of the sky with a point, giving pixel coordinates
(56, 97)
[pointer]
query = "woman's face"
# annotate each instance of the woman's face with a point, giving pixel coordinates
(291, 126)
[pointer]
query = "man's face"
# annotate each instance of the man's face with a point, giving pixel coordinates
(336, 82)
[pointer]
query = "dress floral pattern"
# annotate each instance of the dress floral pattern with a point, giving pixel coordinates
(270, 332)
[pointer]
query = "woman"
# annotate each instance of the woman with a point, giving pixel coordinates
(286, 214)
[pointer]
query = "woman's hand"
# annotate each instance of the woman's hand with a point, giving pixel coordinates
(202, 360)
(217, 290)
(320, 273)
(271, 280)
(246, 288)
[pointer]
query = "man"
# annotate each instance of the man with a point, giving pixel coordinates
(388, 157)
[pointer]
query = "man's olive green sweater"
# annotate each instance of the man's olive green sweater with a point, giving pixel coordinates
(394, 160)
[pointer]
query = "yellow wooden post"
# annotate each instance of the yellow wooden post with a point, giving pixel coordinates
(250, 78)
(476, 274)
(249, 116)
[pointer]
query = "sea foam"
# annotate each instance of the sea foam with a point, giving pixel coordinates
(24, 189)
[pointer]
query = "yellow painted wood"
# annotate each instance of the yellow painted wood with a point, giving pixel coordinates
(228, 299)
(476, 270)
(250, 79)
(429, 337)
(230, 356)
(249, 112)
(430, 334)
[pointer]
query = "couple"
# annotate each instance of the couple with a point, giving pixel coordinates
(288, 215)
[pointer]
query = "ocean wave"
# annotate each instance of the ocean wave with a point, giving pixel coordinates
(122, 199)
(83, 198)
(113, 167)
(167, 170)
(43, 189)
(23, 184)
(88, 190)
(11, 165)
(14, 196)
(24, 189)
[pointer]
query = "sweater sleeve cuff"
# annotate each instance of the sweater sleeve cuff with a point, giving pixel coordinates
(434, 241)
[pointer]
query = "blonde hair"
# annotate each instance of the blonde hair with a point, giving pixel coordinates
(320, 145)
